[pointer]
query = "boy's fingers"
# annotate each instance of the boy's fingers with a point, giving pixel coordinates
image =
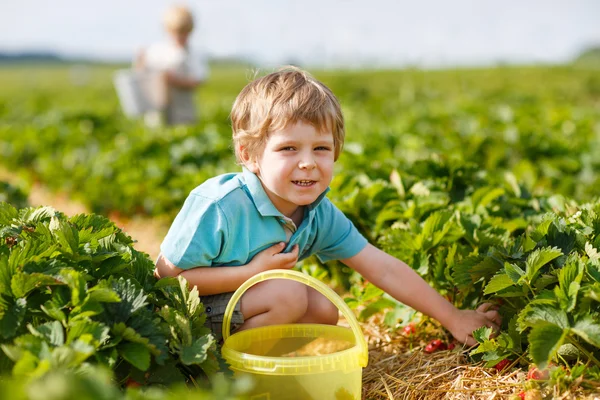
(278, 248)
(493, 316)
(484, 307)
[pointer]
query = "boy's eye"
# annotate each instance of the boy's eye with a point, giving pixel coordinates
(323, 148)
(287, 148)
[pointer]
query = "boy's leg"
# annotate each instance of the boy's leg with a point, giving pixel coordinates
(277, 301)
(320, 310)
(281, 301)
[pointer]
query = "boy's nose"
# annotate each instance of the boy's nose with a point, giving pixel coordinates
(307, 163)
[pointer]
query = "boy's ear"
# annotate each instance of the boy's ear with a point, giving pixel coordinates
(248, 160)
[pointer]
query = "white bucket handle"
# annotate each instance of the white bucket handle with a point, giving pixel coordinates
(309, 281)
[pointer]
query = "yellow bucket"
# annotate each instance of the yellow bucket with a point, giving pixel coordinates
(298, 361)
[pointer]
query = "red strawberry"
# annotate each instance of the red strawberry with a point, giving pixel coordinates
(409, 329)
(435, 345)
(132, 383)
(502, 364)
(537, 375)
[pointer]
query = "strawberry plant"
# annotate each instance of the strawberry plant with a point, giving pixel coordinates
(73, 292)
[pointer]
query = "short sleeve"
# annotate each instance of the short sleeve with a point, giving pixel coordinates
(337, 236)
(197, 234)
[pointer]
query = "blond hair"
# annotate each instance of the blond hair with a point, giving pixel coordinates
(276, 100)
(178, 19)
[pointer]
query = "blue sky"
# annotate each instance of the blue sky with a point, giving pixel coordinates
(316, 32)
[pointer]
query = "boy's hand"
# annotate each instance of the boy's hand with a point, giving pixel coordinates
(273, 258)
(466, 321)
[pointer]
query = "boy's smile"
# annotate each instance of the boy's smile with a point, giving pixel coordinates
(295, 166)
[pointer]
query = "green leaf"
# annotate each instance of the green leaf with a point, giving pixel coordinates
(397, 314)
(198, 351)
(35, 215)
(98, 331)
(375, 307)
(7, 271)
(544, 342)
(485, 195)
(65, 235)
(12, 317)
(592, 253)
(514, 334)
(103, 294)
(569, 278)
(588, 329)
(76, 283)
(52, 332)
(371, 292)
(513, 271)
(7, 213)
(538, 258)
(52, 310)
(534, 314)
(594, 291)
(542, 229)
(26, 365)
(482, 334)
(435, 227)
(87, 309)
(135, 354)
(497, 283)
(22, 284)
(132, 299)
(167, 374)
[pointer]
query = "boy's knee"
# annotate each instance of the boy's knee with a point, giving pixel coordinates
(325, 312)
(290, 299)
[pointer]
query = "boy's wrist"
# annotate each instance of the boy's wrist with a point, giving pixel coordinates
(448, 315)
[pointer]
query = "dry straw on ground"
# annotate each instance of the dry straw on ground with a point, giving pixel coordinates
(400, 369)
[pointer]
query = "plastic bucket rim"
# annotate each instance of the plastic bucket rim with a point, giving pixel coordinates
(238, 364)
(360, 343)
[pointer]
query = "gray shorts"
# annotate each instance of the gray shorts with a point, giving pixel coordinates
(215, 306)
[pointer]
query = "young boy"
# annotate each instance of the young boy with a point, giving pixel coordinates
(180, 71)
(288, 130)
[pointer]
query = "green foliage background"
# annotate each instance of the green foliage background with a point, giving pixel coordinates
(486, 181)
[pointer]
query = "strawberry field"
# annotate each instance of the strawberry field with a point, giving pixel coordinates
(486, 182)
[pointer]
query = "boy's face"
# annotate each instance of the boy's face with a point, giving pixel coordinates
(295, 166)
(181, 38)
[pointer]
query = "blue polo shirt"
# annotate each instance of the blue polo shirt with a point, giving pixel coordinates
(228, 219)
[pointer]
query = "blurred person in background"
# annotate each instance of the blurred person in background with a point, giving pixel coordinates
(179, 71)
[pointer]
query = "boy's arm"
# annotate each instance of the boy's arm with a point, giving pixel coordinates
(405, 285)
(214, 280)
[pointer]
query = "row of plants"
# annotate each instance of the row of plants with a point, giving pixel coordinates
(535, 256)
(76, 300)
(539, 124)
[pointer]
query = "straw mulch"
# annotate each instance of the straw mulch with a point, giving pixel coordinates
(400, 369)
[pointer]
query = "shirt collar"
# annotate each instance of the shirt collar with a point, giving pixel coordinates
(262, 201)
